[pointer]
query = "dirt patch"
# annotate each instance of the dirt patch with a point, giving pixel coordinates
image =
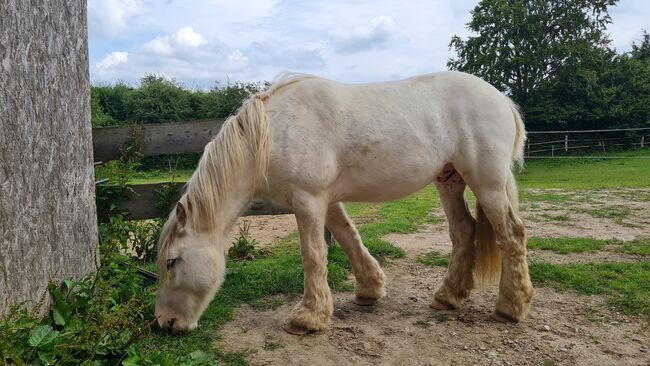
(601, 214)
(267, 229)
(402, 329)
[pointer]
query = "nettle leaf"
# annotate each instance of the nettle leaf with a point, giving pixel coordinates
(69, 283)
(61, 311)
(199, 356)
(58, 317)
(46, 358)
(42, 335)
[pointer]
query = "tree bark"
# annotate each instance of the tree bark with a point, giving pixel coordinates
(48, 227)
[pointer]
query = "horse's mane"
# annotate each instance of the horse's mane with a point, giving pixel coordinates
(243, 136)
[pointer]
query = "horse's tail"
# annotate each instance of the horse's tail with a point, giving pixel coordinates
(488, 255)
(520, 135)
(254, 124)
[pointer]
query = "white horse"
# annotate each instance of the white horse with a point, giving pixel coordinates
(309, 144)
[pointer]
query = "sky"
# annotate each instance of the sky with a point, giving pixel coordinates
(200, 43)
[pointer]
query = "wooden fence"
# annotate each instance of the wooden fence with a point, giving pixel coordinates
(559, 143)
(161, 139)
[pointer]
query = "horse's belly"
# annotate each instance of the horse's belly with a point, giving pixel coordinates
(384, 180)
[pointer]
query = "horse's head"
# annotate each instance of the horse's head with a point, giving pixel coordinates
(190, 268)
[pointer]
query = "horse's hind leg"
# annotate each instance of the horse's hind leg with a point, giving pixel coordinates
(370, 278)
(515, 288)
(316, 307)
(459, 279)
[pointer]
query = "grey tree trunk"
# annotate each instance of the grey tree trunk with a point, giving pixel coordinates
(48, 228)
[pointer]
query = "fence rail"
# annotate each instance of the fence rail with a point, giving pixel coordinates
(161, 139)
(155, 139)
(141, 203)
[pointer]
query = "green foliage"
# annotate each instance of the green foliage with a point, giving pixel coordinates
(567, 245)
(553, 58)
(91, 320)
(157, 99)
(244, 247)
(160, 100)
(627, 285)
(224, 101)
(521, 43)
(167, 196)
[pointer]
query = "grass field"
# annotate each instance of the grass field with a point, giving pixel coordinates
(630, 169)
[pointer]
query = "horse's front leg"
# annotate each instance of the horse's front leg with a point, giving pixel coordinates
(315, 309)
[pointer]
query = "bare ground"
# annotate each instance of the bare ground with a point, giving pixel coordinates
(401, 329)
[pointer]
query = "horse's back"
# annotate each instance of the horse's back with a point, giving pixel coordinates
(380, 141)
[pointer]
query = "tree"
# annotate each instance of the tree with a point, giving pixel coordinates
(523, 44)
(48, 223)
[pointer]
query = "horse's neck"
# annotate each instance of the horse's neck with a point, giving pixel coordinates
(234, 202)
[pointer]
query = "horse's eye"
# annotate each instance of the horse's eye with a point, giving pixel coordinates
(172, 262)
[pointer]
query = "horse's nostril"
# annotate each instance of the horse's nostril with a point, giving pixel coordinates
(170, 323)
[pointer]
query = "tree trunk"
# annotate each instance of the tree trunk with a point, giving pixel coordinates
(48, 228)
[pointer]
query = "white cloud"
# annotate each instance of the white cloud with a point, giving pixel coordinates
(112, 59)
(108, 18)
(236, 56)
(184, 39)
(287, 54)
(358, 39)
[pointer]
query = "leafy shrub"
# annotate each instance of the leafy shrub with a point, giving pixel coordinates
(244, 247)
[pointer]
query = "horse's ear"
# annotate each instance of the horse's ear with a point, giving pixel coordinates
(181, 214)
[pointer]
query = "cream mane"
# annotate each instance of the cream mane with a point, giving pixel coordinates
(243, 136)
(246, 135)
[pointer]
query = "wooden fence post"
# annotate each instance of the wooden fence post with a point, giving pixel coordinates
(566, 143)
(48, 221)
(642, 140)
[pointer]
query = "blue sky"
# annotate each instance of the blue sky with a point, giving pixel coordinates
(201, 42)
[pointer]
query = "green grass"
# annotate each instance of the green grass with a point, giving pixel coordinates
(567, 245)
(639, 246)
(434, 259)
(626, 285)
(631, 170)
(616, 213)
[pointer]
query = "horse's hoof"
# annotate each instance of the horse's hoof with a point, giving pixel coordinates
(440, 306)
(296, 330)
(364, 301)
(502, 318)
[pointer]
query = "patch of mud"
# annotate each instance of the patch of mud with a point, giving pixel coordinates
(401, 329)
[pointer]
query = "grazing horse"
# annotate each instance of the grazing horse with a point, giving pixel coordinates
(309, 144)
